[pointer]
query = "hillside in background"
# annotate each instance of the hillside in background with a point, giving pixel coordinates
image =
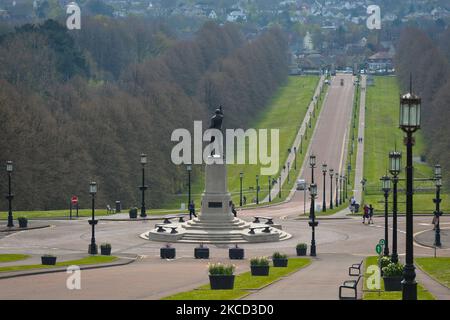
(429, 63)
(82, 106)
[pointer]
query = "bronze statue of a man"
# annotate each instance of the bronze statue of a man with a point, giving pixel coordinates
(216, 119)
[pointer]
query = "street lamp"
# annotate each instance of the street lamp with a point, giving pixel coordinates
(312, 165)
(257, 189)
(10, 196)
(279, 186)
(93, 247)
(189, 170)
(289, 166)
(386, 187)
(324, 171)
(337, 190)
(331, 188)
(409, 122)
(395, 159)
(340, 189)
(313, 223)
(241, 176)
(270, 189)
(295, 158)
(143, 187)
(437, 201)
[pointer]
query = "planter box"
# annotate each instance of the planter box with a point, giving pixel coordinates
(260, 270)
(393, 283)
(105, 251)
(218, 282)
(23, 223)
(133, 215)
(280, 263)
(201, 253)
(48, 261)
(236, 253)
(167, 253)
(301, 251)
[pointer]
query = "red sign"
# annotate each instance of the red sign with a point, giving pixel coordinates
(74, 200)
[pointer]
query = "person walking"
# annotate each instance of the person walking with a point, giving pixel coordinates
(192, 210)
(233, 209)
(365, 214)
(370, 214)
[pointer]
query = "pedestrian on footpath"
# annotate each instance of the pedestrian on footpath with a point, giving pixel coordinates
(191, 208)
(233, 209)
(370, 214)
(365, 214)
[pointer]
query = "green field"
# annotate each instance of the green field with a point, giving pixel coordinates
(285, 112)
(422, 293)
(8, 257)
(437, 268)
(83, 261)
(383, 135)
(242, 284)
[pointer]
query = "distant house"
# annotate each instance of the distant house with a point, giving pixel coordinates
(237, 15)
(212, 15)
(380, 61)
(3, 13)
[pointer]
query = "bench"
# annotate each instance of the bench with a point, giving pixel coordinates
(252, 229)
(269, 219)
(355, 266)
(110, 210)
(168, 218)
(162, 228)
(352, 285)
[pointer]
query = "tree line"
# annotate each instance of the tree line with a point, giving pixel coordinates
(429, 63)
(81, 106)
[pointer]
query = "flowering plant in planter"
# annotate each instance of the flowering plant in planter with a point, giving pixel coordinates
(279, 259)
(259, 266)
(23, 222)
(220, 269)
(221, 276)
(105, 249)
(301, 249)
(392, 277)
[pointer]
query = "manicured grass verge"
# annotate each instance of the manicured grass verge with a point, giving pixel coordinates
(83, 261)
(381, 136)
(437, 268)
(422, 293)
(243, 283)
(9, 257)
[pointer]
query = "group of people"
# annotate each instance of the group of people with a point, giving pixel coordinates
(368, 214)
(191, 209)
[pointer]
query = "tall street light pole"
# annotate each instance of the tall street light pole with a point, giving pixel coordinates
(143, 187)
(93, 247)
(189, 170)
(312, 165)
(279, 186)
(241, 176)
(295, 158)
(437, 201)
(10, 196)
(340, 189)
(409, 123)
(331, 188)
(386, 187)
(337, 190)
(270, 188)
(395, 159)
(257, 189)
(313, 223)
(324, 171)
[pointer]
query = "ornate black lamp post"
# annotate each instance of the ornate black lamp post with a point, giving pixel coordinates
(270, 188)
(340, 189)
(279, 186)
(10, 196)
(295, 158)
(313, 223)
(395, 159)
(288, 167)
(386, 187)
(241, 176)
(437, 201)
(143, 187)
(324, 171)
(189, 170)
(331, 188)
(409, 123)
(337, 190)
(257, 189)
(93, 247)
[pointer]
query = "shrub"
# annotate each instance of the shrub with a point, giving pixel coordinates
(48, 256)
(22, 220)
(259, 261)
(384, 261)
(105, 245)
(278, 255)
(220, 269)
(393, 270)
(302, 246)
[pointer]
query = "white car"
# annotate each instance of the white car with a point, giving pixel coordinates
(301, 184)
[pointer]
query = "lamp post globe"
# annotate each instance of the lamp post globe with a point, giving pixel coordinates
(395, 159)
(409, 122)
(93, 191)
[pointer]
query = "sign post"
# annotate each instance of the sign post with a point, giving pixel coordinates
(379, 249)
(73, 202)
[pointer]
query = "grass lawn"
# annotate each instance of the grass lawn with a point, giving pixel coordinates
(437, 268)
(81, 212)
(12, 257)
(83, 261)
(422, 293)
(381, 136)
(242, 283)
(285, 112)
